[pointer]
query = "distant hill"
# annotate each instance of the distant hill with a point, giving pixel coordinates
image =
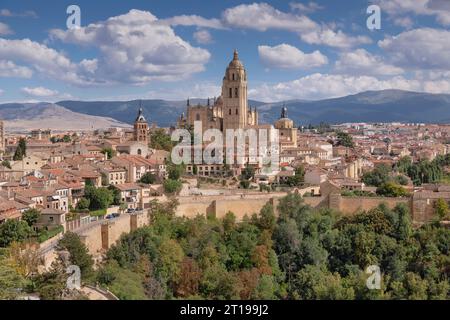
(370, 106)
(25, 117)
(163, 112)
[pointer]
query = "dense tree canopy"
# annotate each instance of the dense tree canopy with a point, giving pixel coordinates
(305, 253)
(14, 231)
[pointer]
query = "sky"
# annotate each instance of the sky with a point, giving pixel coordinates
(154, 49)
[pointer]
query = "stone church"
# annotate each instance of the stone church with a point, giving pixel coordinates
(230, 110)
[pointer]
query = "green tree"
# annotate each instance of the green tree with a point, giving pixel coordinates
(169, 260)
(109, 152)
(83, 204)
(378, 176)
(248, 173)
(14, 231)
(172, 186)
(79, 254)
(6, 164)
(117, 198)
(66, 138)
(344, 139)
(175, 171)
(21, 150)
(317, 283)
(160, 140)
(267, 219)
(441, 208)
(31, 216)
(391, 189)
(99, 198)
(12, 282)
(148, 178)
(403, 164)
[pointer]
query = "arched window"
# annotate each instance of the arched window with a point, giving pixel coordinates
(197, 117)
(236, 91)
(233, 77)
(139, 152)
(229, 112)
(231, 93)
(237, 112)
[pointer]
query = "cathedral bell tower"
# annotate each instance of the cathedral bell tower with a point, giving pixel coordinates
(234, 94)
(141, 128)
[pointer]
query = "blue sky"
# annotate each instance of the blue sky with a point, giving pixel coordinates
(178, 49)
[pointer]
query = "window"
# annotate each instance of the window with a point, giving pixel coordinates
(229, 112)
(233, 77)
(231, 93)
(236, 91)
(197, 117)
(237, 112)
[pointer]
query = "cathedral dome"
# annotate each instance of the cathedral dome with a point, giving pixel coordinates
(236, 63)
(140, 117)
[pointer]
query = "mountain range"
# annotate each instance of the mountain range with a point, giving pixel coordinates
(369, 106)
(23, 117)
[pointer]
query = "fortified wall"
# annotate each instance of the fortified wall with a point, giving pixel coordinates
(98, 237)
(421, 209)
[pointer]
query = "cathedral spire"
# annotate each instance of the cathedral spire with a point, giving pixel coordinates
(283, 112)
(235, 55)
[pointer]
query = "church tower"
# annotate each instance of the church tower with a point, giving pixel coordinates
(234, 95)
(141, 128)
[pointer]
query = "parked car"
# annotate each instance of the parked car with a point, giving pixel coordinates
(115, 215)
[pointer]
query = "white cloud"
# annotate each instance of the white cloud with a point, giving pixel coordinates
(329, 37)
(203, 37)
(423, 48)
(405, 22)
(262, 17)
(10, 69)
(193, 20)
(8, 13)
(437, 8)
(199, 90)
(323, 86)
(361, 62)
(288, 57)
(5, 29)
(39, 92)
(307, 8)
(136, 49)
(46, 61)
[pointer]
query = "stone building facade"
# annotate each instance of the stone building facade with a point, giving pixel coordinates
(141, 128)
(230, 110)
(287, 131)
